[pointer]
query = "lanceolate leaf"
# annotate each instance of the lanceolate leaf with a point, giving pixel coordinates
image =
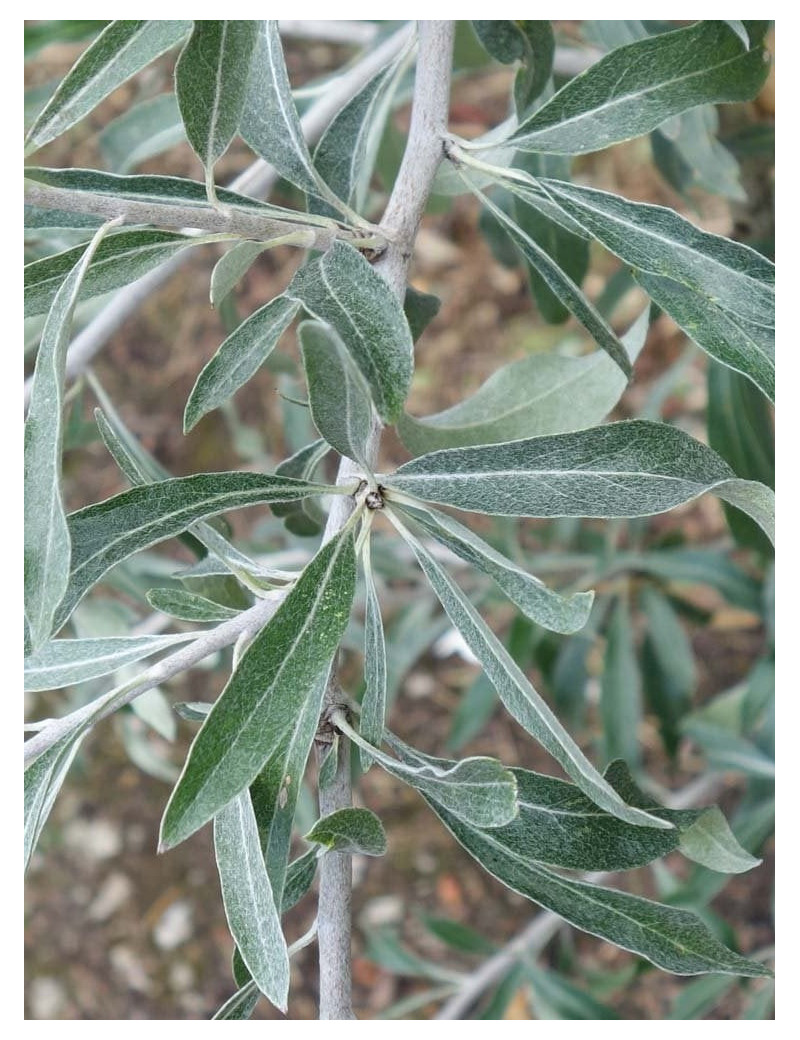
(120, 51)
(342, 289)
(620, 694)
(549, 609)
(351, 831)
(345, 155)
(239, 357)
(541, 394)
(188, 606)
(373, 703)
(241, 1005)
(519, 697)
(47, 536)
(269, 122)
(711, 842)
(636, 87)
(144, 130)
(276, 678)
(63, 662)
(43, 780)
(104, 534)
(532, 43)
(627, 469)
(211, 83)
(338, 394)
(673, 939)
(120, 259)
(233, 265)
(250, 908)
(562, 287)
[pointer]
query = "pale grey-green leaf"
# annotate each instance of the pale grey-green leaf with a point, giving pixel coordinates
(240, 1006)
(620, 693)
(558, 613)
(373, 703)
(43, 780)
(211, 83)
(638, 86)
(47, 541)
(143, 131)
(269, 691)
(119, 52)
(519, 697)
(63, 662)
(250, 908)
(239, 357)
(338, 395)
(188, 606)
(623, 469)
(350, 830)
(711, 842)
(342, 289)
(233, 265)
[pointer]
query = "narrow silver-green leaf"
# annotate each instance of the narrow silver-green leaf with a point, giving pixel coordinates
(689, 154)
(520, 698)
(63, 662)
(346, 153)
(373, 703)
(562, 287)
(620, 693)
(239, 357)
(143, 131)
(623, 469)
(43, 780)
(270, 124)
(47, 544)
(233, 265)
(479, 790)
(342, 289)
(119, 260)
(188, 606)
(299, 878)
(211, 83)
(558, 613)
(118, 53)
(253, 918)
(108, 532)
(673, 939)
(241, 1005)
(350, 830)
(539, 395)
(338, 395)
(636, 87)
(711, 842)
(270, 689)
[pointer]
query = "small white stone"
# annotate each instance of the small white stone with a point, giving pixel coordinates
(130, 969)
(174, 926)
(382, 910)
(46, 997)
(113, 892)
(93, 839)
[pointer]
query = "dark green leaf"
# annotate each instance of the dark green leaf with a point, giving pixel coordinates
(278, 677)
(118, 53)
(420, 309)
(667, 665)
(342, 289)
(299, 878)
(459, 936)
(241, 1005)
(351, 831)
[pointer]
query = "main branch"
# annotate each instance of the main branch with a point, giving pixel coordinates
(400, 224)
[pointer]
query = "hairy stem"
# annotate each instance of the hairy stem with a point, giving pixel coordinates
(400, 224)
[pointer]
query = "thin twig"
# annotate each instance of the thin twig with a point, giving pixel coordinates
(423, 153)
(533, 938)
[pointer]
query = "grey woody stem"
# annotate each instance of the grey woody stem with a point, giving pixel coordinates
(423, 153)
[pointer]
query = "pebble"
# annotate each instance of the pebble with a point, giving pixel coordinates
(113, 892)
(93, 839)
(174, 926)
(46, 998)
(382, 910)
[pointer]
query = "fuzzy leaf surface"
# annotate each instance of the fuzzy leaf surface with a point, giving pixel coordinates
(119, 52)
(338, 395)
(638, 86)
(188, 606)
(250, 909)
(350, 830)
(238, 359)
(373, 703)
(43, 780)
(63, 662)
(278, 676)
(342, 289)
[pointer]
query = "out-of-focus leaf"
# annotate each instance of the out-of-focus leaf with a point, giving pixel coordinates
(697, 998)
(41, 34)
(47, 539)
(144, 131)
(554, 997)
(727, 751)
(459, 936)
(338, 395)
(531, 43)
(250, 908)
(342, 289)
(620, 697)
(211, 83)
(64, 662)
(239, 357)
(690, 155)
(350, 830)
(667, 666)
(119, 52)
(420, 309)
(268, 695)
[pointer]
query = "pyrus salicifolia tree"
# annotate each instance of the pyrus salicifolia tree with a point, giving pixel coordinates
(531, 443)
